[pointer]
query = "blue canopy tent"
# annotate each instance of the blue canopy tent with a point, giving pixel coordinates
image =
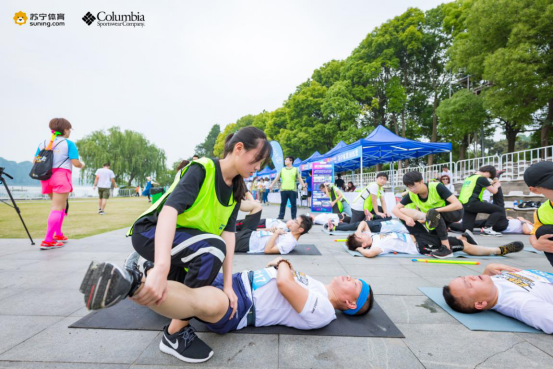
(305, 165)
(266, 172)
(297, 162)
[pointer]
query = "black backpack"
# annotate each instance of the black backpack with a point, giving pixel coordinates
(44, 161)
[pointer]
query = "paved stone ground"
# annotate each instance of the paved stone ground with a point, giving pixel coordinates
(39, 299)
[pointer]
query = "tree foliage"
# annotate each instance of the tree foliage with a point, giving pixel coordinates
(206, 147)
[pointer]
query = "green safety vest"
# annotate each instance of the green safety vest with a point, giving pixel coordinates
(432, 202)
(288, 177)
(206, 214)
(339, 203)
(368, 204)
(468, 188)
(545, 213)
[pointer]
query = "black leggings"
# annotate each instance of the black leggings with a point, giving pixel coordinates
(357, 216)
(546, 229)
(496, 211)
(374, 226)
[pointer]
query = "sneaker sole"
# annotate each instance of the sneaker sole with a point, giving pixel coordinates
(96, 285)
(170, 351)
(443, 257)
(50, 247)
(433, 220)
(513, 243)
(471, 235)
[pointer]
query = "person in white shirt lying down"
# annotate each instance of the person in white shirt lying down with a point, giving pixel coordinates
(526, 295)
(275, 295)
(514, 226)
(371, 244)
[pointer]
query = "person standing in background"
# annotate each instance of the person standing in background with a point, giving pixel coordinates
(105, 180)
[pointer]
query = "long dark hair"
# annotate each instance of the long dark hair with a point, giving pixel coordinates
(250, 138)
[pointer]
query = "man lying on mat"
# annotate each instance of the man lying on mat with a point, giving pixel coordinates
(279, 239)
(526, 295)
(375, 226)
(276, 295)
(370, 244)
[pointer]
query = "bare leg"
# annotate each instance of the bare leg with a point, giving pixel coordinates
(413, 214)
(478, 250)
(103, 204)
(99, 203)
(250, 206)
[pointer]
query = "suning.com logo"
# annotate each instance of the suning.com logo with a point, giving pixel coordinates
(115, 20)
(40, 19)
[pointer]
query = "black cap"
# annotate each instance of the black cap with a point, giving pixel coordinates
(540, 175)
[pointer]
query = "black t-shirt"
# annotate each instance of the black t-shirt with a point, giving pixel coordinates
(186, 192)
(442, 190)
(481, 182)
(339, 183)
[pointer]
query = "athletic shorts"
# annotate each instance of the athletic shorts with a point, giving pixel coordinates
(244, 303)
(103, 193)
(60, 182)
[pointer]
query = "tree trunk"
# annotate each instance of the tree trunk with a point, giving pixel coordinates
(403, 122)
(434, 126)
(463, 147)
(129, 182)
(378, 167)
(394, 119)
(546, 126)
(511, 135)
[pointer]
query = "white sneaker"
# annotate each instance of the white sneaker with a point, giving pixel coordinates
(490, 232)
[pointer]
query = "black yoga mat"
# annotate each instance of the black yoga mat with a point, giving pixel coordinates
(130, 316)
(301, 249)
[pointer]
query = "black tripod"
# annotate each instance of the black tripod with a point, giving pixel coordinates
(13, 201)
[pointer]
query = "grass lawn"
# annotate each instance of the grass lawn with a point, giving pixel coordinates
(83, 219)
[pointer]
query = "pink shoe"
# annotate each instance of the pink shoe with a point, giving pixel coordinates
(60, 238)
(50, 245)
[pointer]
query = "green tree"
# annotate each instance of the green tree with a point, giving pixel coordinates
(219, 147)
(131, 155)
(206, 147)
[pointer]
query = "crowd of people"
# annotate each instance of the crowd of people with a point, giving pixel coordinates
(184, 239)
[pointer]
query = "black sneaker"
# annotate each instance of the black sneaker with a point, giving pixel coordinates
(470, 237)
(185, 345)
(432, 219)
(515, 246)
(106, 284)
(442, 253)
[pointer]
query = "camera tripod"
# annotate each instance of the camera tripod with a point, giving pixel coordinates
(2, 173)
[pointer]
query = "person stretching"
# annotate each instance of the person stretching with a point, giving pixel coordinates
(438, 207)
(365, 206)
(371, 245)
(525, 295)
(275, 295)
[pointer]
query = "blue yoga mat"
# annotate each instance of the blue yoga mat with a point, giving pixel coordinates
(485, 321)
(458, 254)
(533, 250)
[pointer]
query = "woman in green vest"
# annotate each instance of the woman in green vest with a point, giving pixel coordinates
(539, 179)
(339, 203)
(190, 233)
(437, 208)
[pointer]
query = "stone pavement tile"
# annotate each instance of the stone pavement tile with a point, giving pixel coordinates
(440, 345)
(17, 329)
(425, 270)
(438, 282)
(15, 264)
(58, 343)
(346, 259)
(98, 256)
(395, 285)
(344, 352)
(414, 310)
(520, 355)
(13, 279)
(42, 302)
(379, 270)
(230, 350)
(542, 341)
(7, 292)
(56, 266)
(80, 312)
(42, 365)
(33, 253)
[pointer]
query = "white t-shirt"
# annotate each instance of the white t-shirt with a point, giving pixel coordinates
(515, 226)
(324, 217)
(285, 242)
(526, 296)
(64, 151)
(271, 308)
(249, 186)
(371, 190)
(392, 226)
(394, 242)
(267, 185)
(105, 177)
(273, 222)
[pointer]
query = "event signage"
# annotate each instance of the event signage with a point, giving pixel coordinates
(322, 173)
(348, 155)
(277, 156)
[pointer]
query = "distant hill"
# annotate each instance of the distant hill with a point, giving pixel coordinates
(19, 172)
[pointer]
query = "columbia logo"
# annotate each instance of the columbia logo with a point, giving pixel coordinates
(89, 18)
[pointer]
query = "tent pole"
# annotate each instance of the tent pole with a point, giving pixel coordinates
(451, 165)
(393, 172)
(361, 168)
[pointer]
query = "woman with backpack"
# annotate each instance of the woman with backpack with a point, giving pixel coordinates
(58, 186)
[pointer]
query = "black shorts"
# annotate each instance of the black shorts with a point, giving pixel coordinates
(250, 224)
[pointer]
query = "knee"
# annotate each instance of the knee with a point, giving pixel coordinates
(544, 229)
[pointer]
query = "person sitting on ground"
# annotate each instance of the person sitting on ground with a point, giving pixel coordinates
(337, 200)
(525, 295)
(375, 226)
(539, 179)
(514, 226)
(371, 245)
(275, 295)
(438, 208)
(471, 198)
(446, 181)
(350, 187)
(275, 240)
(365, 206)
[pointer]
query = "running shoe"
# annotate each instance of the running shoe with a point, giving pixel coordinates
(330, 225)
(185, 345)
(442, 253)
(60, 238)
(45, 245)
(470, 237)
(432, 219)
(105, 284)
(509, 248)
(490, 232)
(101, 212)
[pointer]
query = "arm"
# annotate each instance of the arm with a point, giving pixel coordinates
(363, 227)
(271, 247)
(113, 183)
(543, 243)
(275, 181)
(96, 181)
(295, 294)
(384, 207)
(301, 180)
(494, 187)
(374, 200)
(77, 163)
(369, 253)
(493, 269)
(454, 204)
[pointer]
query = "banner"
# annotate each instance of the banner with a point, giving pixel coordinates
(277, 156)
(322, 173)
